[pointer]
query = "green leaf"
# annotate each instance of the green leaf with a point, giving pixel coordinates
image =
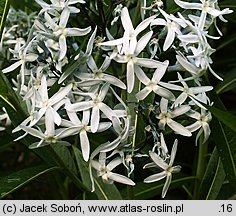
(106, 191)
(4, 7)
(147, 191)
(14, 181)
(83, 167)
(224, 116)
(225, 141)
(228, 83)
(102, 190)
(72, 68)
(213, 178)
(66, 157)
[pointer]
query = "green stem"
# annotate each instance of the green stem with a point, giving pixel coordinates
(201, 165)
(71, 175)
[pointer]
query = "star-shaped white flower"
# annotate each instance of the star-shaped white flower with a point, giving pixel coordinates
(98, 74)
(61, 32)
(50, 136)
(206, 7)
(81, 127)
(190, 92)
(96, 104)
(154, 84)
(202, 123)
(105, 170)
(166, 115)
(167, 167)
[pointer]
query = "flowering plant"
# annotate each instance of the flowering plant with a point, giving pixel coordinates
(100, 90)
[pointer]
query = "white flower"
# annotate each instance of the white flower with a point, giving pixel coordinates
(191, 92)
(173, 26)
(61, 32)
(105, 170)
(98, 74)
(23, 57)
(166, 115)
(206, 7)
(130, 57)
(43, 102)
(202, 123)
(60, 5)
(129, 39)
(97, 105)
(50, 136)
(167, 167)
(154, 83)
(75, 126)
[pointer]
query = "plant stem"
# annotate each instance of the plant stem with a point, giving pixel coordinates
(201, 165)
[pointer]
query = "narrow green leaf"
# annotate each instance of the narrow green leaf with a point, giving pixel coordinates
(4, 7)
(106, 191)
(72, 68)
(65, 155)
(213, 178)
(14, 181)
(147, 191)
(228, 83)
(225, 141)
(83, 167)
(224, 116)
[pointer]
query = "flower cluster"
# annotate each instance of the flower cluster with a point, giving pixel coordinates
(91, 96)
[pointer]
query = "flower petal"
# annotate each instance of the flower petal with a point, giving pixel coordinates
(141, 95)
(104, 126)
(169, 39)
(107, 111)
(114, 163)
(142, 43)
(178, 128)
(114, 81)
(160, 71)
(144, 24)
(50, 21)
(173, 153)
(77, 31)
(158, 160)
(84, 143)
(121, 179)
(64, 17)
(80, 106)
(63, 47)
(166, 185)
(187, 65)
(12, 67)
(180, 110)
(201, 89)
(155, 177)
(95, 118)
(31, 57)
(49, 122)
(188, 5)
(32, 131)
(193, 127)
(149, 63)
(165, 93)
(130, 76)
(163, 105)
(60, 94)
(126, 21)
(180, 99)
